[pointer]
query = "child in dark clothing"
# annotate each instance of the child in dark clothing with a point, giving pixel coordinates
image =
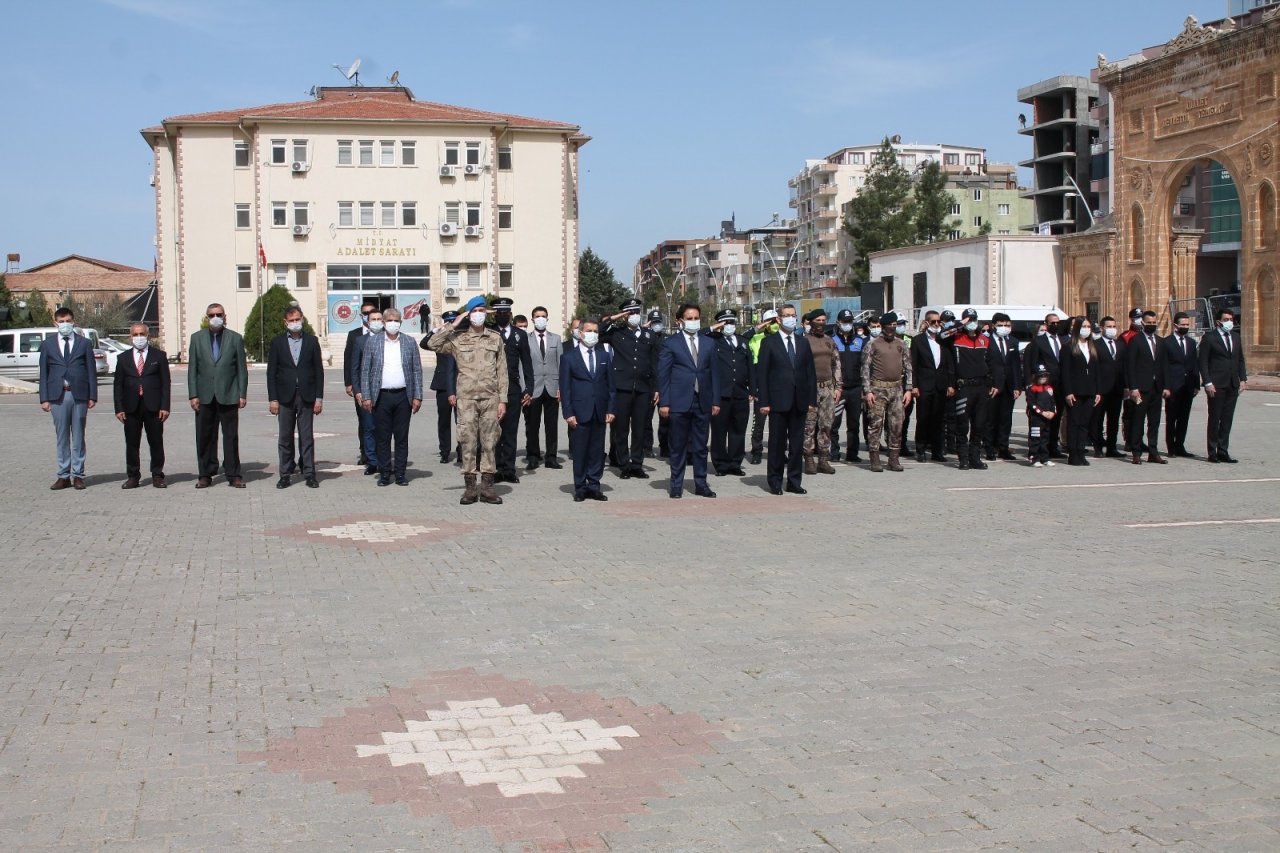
(1040, 414)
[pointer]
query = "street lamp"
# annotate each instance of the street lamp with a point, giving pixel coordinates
(1079, 194)
(701, 261)
(783, 281)
(668, 289)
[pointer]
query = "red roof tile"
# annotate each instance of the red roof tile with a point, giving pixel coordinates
(108, 265)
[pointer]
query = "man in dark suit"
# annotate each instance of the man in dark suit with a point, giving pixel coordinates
(929, 388)
(540, 419)
(635, 365)
(1046, 349)
(390, 386)
(733, 372)
(587, 401)
(1000, 425)
(295, 389)
(68, 389)
(444, 381)
(350, 368)
(1223, 374)
(142, 398)
(1181, 384)
(520, 392)
(218, 388)
(788, 390)
(1111, 387)
(1144, 377)
(689, 396)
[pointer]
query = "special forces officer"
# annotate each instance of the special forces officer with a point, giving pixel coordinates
(886, 378)
(482, 395)
(520, 387)
(826, 368)
(635, 367)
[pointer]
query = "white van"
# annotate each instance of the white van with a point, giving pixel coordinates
(1027, 319)
(20, 352)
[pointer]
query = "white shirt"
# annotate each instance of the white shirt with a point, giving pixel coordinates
(1084, 352)
(392, 366)
(936, 349)
(586, 354)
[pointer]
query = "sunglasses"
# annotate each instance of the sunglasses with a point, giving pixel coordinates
(211, 316)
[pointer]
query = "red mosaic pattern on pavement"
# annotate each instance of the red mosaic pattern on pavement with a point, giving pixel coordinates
(374, 532)
(692, 506)
(652, 743)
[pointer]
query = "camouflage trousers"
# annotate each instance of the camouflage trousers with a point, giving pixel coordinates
(885, 412)
(817, 425)
(478, 431)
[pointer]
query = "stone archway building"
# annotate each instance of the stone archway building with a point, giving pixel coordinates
(1209, 94)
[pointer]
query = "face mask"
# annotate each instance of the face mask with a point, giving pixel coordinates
(730, 329)
(1228, 325)
(933, 330)
(656, 328)
(1109, 334)
(1181, 331)
(216, 323)
(818, 330)
(590, 338)
(502, 319)
(1084, 333)
(1064, 327)
(364, 319)
(1004, 331)
(375, 325)
(66, 328)
(846, 327)
(1137, 324)
(902, 328)
(1097, 336)
(1149, 328)
(789, 323)
(293, 327)
(476, 318)
(634, 320)
(971, 326)
(392, 327)
(875, 333)
(139, 341)
(540, 323)
(691, 326)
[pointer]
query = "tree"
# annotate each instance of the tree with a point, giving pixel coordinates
(6, 304)
(266, 320)
(38, 310)
(599, 291)
(932, 204)
(882, 215)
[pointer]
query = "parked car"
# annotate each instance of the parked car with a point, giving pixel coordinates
(112, 348)
(20, 353)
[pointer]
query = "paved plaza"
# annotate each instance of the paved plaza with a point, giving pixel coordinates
(1069, 659)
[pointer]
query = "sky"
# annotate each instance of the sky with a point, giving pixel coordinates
(698, 110)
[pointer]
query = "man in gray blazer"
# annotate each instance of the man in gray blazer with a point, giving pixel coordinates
(68, 389)
(544, 408)
(390, 386)
(218, 388)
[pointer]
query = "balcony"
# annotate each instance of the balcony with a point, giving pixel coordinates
(824, 168)
(826, 189)
(1100, 185)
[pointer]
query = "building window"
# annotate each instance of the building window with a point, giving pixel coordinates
(473, 153)
(366, 152)
(977, 222)
(386, 153)
(973, 159)
(920, 288)
(1266, 215)
(409, 214)
(452, 275)
(955, 209)
(1137, 235)
(505, 276)
(408, 153)
(279, 214)
(242, 216)
(977, 195)
(955, 235)
(344, 214)
(302, 277)
(366, 214)
(1004, 231)
(301, 213)
(473, 213)
(451, 212)
(277, 151)
(504, 217)
(504, 159)
(300, 151)
(907, 161)
(344, 152)
(951, 159)
(244, 278)
(857, 158)
(963, 276)
(242, 155)
(1002, 210)
(451, 154)
(474, 276)
(388, 214)
(280, 275)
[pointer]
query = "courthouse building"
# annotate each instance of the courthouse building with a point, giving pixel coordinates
(362, 193)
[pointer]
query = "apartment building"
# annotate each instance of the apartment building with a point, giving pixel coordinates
(362, 193)
(1063, 126)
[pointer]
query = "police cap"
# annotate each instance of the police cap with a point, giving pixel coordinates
(1135, 314)
(769, 314)
(969, 314)
(502, 304)
(631, 306)
(845, 316)
(655, 314)
(449, 316)
(726, 316)
(947, 316)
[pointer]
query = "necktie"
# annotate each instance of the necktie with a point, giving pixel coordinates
(733, 344)
(1111, 347)
(138, 360)
(1000, 344)
(1151, 343)
(591, 361)
(693, 348)
(542, 344)
(791, 348)
(1226, 336)
(66, 346)
(217, 346)
(1183, 343)
(1053, 343)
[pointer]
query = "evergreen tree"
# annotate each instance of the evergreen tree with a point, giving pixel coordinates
(38, 310)
(599, 291)
(6, 305)
(266, 320)
(882, 215)
(932, 204)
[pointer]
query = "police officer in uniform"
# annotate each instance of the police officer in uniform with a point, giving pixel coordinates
(848, 345)
(729, 425)
(635, 363)
(768, 326)
(975, 375)
(520, 381)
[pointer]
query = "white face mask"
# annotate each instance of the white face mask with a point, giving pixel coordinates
(540, 323)
(1228, 325)
(589, 339)
(139, 341)
(656, 328)
(216, 323)
(846, 327)
(392, 327)
(1110, 333)
(875, 332)
(1097, 336)
(933, 330)
(1084, 333)
(789, 323)
(293, 327)
(634, 320)
(66, 328)
(476, 318)
(375, 325)
(902, 329)
(1004, 331)
(691, 326)
(730, 329)
(971, 326)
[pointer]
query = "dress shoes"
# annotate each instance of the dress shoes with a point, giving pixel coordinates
(704, 492)
(444, 458)
(283, 482)
(1114, 454)
(131, 483)
(1007, 455)
(597, 495)
(676, 493)
(1224, 457)
(775, 490)
(639, 473)
(755, 458)
(735, 472)
(579, 497)
(509, 477)
(159, 483)
(64, 483)
(938, 457)
(204, 482)
(531, 464)
(313, 483)
(370, 470)
(77, 483)
(1157, 459)
(1183, 453)
(553, 463)
(977, 464)
(1057, 454)
(401, 481)
(922, 457)
(1137, 459)
(384, 481)
(236, 483)
(990, 455)
(624, 474)
(797, 490)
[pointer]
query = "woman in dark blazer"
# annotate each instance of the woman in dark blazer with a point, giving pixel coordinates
(1080, 387)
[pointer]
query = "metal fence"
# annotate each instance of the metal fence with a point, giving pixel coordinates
(1203, 309)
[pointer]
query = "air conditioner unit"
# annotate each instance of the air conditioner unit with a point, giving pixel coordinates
(448, 229)
(301, 230)
(300, 166)
(151, 179)
(472, 231)
(448, 171)
(451, 293)
(473, 168)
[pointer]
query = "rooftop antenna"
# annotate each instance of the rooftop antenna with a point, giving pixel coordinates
(352, 73)
(394, 79)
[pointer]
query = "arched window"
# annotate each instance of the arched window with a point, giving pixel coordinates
(1136, 293)
(1266, 216)
(1265, 315)
(1137, 233)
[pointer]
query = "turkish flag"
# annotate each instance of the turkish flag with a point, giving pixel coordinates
(262, 256)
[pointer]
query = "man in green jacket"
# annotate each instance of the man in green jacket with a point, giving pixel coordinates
(218, 387)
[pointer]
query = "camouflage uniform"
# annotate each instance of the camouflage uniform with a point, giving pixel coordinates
(886, 373)
(482, 385)
(826, 368)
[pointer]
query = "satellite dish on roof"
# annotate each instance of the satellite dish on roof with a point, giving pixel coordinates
(897, 138)
(352, 73)
(394, 79)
